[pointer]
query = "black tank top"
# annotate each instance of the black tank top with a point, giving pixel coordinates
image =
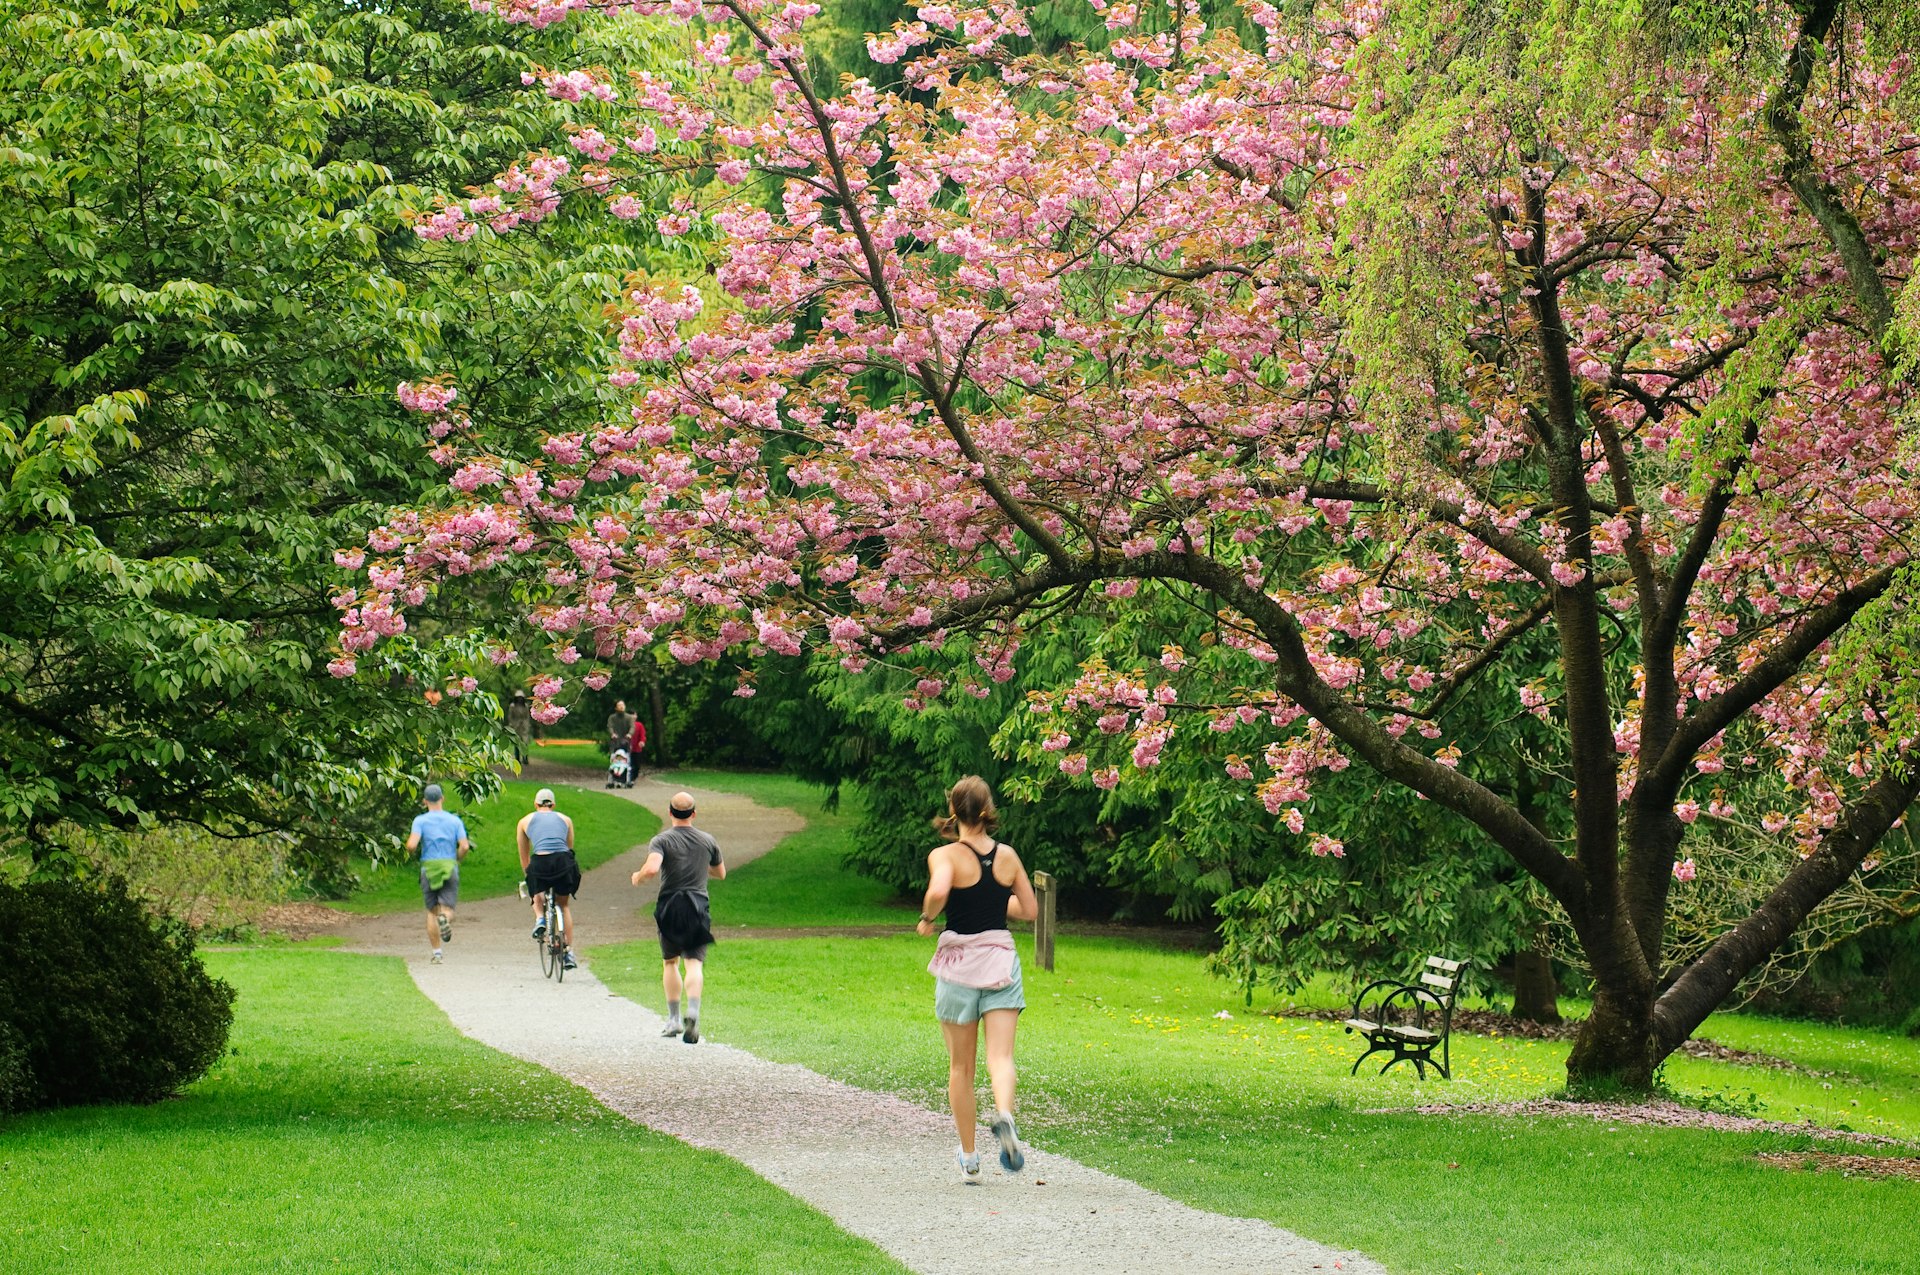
(981, 906)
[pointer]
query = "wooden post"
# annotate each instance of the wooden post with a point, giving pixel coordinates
(1043, 924)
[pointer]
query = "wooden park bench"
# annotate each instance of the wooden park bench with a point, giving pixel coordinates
(1409, 1019)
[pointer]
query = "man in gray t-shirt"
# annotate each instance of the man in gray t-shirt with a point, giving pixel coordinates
(685, 859)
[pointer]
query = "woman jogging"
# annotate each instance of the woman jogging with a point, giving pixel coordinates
(980, 882)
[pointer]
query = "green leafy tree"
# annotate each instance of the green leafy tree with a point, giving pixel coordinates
(209, 287)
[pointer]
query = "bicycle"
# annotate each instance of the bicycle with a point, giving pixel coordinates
(551, 943)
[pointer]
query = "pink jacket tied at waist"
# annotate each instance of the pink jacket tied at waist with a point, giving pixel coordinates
(983, 960)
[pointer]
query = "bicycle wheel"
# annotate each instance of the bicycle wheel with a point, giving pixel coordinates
(548, 961)
(559, 952)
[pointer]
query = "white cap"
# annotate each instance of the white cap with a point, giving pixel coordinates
(544, 797)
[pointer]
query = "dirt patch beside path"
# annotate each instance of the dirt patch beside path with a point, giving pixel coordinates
(1492, 1023)
(1656, 1112)
(302, 920)
(1872, 1166)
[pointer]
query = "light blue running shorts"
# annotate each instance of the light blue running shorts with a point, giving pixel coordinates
(953, 1003)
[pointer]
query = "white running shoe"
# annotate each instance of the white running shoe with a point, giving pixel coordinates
(969, 1166)
(1012, 1158)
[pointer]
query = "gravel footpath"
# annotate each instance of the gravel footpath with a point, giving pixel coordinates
(880, 1167)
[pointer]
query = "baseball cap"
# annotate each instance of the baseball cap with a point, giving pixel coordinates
(431, 793)
(544, 797)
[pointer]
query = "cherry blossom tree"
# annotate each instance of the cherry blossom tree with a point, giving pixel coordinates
(1405, 345)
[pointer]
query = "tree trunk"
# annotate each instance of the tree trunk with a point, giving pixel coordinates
(657, 711)
(1615, 1048)
(1535, 991)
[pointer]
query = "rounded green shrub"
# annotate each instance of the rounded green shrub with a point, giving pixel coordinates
(100, 1000)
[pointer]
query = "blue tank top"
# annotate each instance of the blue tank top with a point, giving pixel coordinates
(547, 832)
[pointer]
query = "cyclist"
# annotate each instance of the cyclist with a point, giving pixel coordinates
(545, 838)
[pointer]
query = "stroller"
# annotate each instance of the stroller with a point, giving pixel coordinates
(620, 769)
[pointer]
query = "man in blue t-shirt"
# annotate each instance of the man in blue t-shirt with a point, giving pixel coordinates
(441, 839)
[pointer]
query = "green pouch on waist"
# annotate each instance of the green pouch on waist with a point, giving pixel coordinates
(437, 872)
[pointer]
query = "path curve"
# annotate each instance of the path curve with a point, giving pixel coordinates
(880, 1167)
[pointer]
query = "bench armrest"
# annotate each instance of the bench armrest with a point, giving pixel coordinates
(1359, 1002)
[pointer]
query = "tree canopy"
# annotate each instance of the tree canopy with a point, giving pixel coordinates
(1562, 339)
(208, 286)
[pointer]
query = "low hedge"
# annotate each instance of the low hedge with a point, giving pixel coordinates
(100, 1000)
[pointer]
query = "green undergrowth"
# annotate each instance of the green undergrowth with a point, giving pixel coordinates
(604, 825)
(1134, 1060)
(352, 1128)
(804, 883)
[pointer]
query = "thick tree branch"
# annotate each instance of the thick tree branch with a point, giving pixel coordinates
(1488, 654)
(1661, 781)
(1240, 173)
(1297, 680)
(1620, 471)
(1713, 976)
(1576, 607)
(1816, 194)
(1662, 623)
(1511, 547)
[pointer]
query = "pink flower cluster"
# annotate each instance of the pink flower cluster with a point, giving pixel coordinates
(571, 86)
(1128, 255)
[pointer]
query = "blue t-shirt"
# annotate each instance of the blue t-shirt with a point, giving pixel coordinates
(441, 833)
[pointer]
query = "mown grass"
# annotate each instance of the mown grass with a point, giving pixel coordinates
(586, 756)
(1125, 1065)
(356, 1130)
(805, 883)
(1134, 1059)
(604, 825)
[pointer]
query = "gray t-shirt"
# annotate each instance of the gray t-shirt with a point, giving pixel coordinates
(685, 854)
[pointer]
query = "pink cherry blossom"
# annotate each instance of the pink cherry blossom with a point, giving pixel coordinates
(1415, 415)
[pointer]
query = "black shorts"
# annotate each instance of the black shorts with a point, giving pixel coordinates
(686, 926)
(559, 872)
(672, 951)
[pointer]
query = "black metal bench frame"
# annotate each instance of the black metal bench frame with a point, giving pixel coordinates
(1401, 1018)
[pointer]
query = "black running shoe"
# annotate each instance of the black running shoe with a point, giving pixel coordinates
(692, 1034)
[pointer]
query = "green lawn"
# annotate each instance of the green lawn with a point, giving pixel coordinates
(604, 824)
(358, 1131)
(1127, 1063)
(583, 755)
(805, 882)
